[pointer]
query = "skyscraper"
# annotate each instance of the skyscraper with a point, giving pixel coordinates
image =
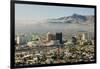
(17, 40)
(50, 36)
(74, 40)
(59, 37)
(82, 35)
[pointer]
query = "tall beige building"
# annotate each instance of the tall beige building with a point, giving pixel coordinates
(82, 36)
(50, 36)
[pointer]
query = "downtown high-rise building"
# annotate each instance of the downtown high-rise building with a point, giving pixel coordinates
(17, 40)
(50, 36)
(82, 36)
(59, 37)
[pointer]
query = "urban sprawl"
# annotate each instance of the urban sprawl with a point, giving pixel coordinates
(53, 48)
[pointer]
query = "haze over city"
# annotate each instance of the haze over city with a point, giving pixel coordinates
(37, 17)
(53, 34)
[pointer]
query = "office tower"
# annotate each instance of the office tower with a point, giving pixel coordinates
(17, 40)
(82, 36)
(23, 40)
(59, 37)
(79, 36)
(74, 40)
(50, 36)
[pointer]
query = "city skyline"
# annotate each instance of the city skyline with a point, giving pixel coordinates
(64, 37)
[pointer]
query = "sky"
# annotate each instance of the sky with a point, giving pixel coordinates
(36, 12)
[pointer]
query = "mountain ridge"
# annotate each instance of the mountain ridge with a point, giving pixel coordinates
(75, 18)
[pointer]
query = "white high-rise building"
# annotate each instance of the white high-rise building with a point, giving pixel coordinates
(83, 36)
(17, 40)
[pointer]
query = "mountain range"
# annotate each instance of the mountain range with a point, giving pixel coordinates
(75, 18)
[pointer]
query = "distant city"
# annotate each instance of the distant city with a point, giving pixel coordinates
(52, 48)
(53, 35)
